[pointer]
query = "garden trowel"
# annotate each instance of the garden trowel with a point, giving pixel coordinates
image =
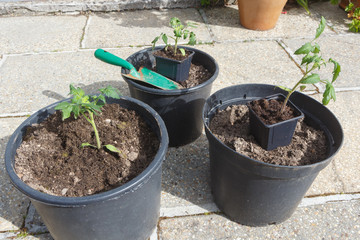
(143, 75)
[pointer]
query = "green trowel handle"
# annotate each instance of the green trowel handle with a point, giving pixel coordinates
(115, 60)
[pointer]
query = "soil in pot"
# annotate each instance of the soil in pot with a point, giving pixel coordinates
(51, 160)
(269, 111)
(169, 53)
(232, 127)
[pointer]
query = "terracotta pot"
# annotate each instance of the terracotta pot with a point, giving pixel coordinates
(343, 3)
(260, 14)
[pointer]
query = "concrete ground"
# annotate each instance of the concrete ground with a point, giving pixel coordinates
(41, 54)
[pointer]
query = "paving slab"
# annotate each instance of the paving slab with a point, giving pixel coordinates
(40, 33)
(340, 48)
(38, 80)
(328, 221)
(334, 15)
(13, 204)
(186, 175)
(347, 161)
(134, 28)
(225, 25)
(252, 62)
(69, 6)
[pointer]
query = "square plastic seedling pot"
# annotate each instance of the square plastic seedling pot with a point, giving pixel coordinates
(275, 135)
(174, 69)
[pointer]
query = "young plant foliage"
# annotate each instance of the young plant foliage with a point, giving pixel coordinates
(180, 32)
(312, 60)
(88, 106)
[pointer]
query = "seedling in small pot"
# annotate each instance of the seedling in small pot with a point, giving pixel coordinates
(180, 32)
(173, 61)
(88, 106)
(272, 135)
(312, 60)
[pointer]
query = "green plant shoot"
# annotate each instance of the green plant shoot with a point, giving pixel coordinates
(353, 13)
(304, 4)
(180, 31)
(312, 60)
(87, 106)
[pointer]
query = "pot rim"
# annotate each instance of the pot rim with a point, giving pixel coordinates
(124, 189)
(170, 59)
(319, 165)
(173, 92)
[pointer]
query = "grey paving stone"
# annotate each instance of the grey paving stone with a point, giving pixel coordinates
(333, 14)
(327, 182)
(252, 62)
(186, 175)
(33, 222)
(138, 28)
(340, 48)
(41, 33)
(347, 161)
(29, 7)
(329, 221)
(41, 79)
(13, 204)
(225, 24)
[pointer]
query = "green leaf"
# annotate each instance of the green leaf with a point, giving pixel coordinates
(182, 51)
(174, 22)
(334, 2)
(192, 39)
(313, 78)
(304, 4)
(321, 27)
(349, 7)
(87, 145)
(154, 42)
(93, 107)
(66, 109)
(76, 111)
(186, 34)
(336, 71)
(177, 33)
(110, 91)
(165, 39)
(307, 59)
(112, 148)
(316, 48)
(328, 94)
(102, 100)
(302, 88)
(304, 49)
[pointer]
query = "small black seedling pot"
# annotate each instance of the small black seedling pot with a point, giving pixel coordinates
(275, 135)
(174, 69)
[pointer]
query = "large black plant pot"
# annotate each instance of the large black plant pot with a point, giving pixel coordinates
(130, 211)
(180, 109)
(252, 192)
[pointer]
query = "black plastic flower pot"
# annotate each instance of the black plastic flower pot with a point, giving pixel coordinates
(252, 192)
(181, 108)
(271, 136)
(130, 211)
(174, 69)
